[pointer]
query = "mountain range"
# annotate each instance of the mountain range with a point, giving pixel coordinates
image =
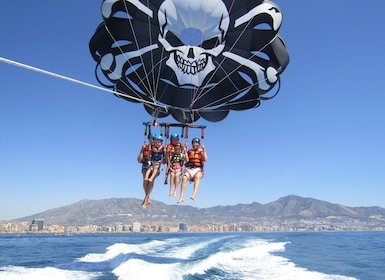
(127, 210)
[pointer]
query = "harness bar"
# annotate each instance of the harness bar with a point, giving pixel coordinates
(166, 128)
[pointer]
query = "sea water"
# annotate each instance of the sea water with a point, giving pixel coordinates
(322, 255)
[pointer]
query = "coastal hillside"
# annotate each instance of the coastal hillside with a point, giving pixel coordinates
(128, 210)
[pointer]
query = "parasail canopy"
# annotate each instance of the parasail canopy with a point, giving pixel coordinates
(190, 58)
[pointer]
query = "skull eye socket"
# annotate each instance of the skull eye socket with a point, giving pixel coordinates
(173, 40)
(210, 44)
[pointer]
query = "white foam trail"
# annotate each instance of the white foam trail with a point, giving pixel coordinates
(254, 261)
(179, 249)
(122, 248)
(47, 273)
(174, 247)
(139, 269)
(176, 258)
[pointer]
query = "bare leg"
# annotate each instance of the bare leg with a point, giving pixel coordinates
(182, 189)
(172, 183)
(197, 180)
(147, 186)
(145, 173)
(148, 189)
(154, 173)
(176, 183)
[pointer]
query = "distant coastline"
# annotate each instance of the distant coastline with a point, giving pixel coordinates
(124, 215)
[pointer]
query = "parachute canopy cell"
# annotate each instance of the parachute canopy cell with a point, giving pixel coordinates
(189, 58)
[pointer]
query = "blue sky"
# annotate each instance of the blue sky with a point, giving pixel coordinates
(322, 137)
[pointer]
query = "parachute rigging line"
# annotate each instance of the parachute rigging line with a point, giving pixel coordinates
(151, 89)
(198, 93)
(201, 93)
(235, 93)
(147, 87)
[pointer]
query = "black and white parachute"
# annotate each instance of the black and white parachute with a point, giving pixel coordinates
(190, 58)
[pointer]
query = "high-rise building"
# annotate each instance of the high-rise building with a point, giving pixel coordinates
(182, 227)
(39, 223)
(136, 227)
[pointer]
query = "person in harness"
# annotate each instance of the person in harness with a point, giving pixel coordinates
(151, 157)
(195, 159)
(174, 159)
(176, 168)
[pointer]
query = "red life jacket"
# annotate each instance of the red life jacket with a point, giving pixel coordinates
(146, 153)
(195, 158)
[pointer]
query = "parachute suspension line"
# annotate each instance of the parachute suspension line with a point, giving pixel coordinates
(151, 90)
(235, 93)
(163, 129)
(153, 64)
(167, 131)
(148, 87)
(192, 116)
(259, 98)
(195, 96)
(231, 95)
(202, 94)
(157, 80)
(202, 133)
(147, 132)
(121, 51)
(215, 70)
(186, 132)
(245, 88)
(48, 73)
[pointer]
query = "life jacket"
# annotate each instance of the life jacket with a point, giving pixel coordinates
(177, 158)
(171, 148)
(157, 154)
(146, 153)
(195, 158)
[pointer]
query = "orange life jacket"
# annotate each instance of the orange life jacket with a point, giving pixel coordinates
(195, 158)
(146, 153)
(171, 148)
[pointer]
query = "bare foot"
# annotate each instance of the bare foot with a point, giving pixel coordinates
(146, 201)
(174, 194)
(144, 204)
(180, 201)
(193, 198)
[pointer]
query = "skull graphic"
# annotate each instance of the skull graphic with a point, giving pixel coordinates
(192, 43)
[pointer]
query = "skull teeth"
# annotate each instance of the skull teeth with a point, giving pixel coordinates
(190, 67)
